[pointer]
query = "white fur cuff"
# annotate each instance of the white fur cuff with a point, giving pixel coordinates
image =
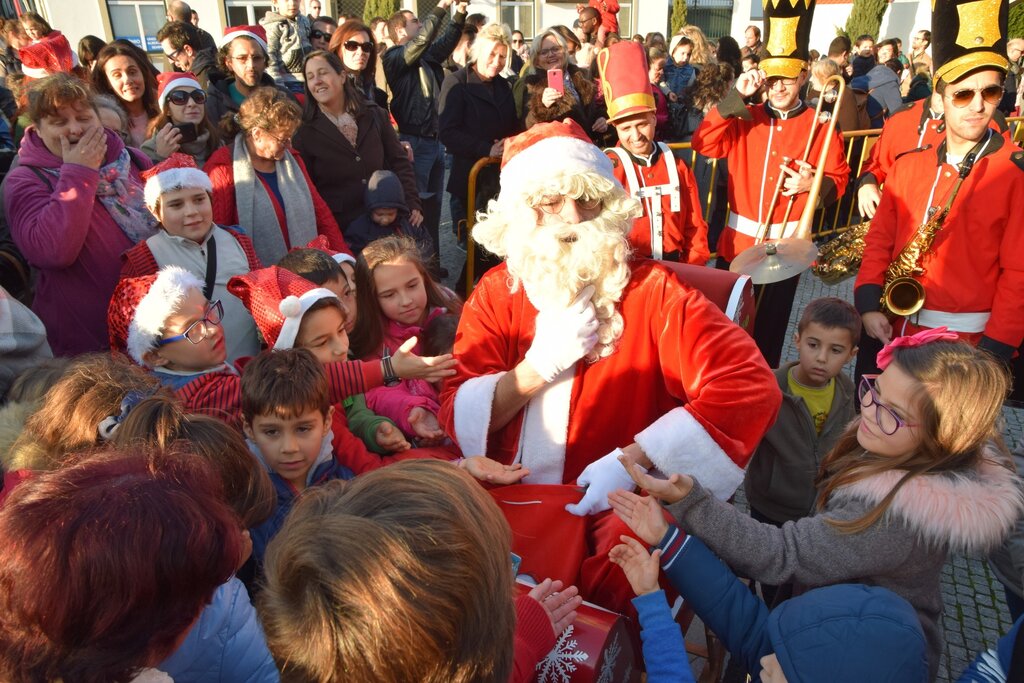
(677, 443)
(473, 403)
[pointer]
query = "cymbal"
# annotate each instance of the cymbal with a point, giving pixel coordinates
(775, 260)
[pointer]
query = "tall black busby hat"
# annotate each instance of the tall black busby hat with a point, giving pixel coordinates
(968, 35)
(787, 35)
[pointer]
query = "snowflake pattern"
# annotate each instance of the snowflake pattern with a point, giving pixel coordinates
(561, 662)
(611, 658)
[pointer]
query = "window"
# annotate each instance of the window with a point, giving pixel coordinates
(246, 12)
(517, 15)
(137, 21)
(625, 20)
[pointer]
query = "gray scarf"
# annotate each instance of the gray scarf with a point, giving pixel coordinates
(256, 210)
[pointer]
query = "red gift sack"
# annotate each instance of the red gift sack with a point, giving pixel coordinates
(551, 542)
(596, 648)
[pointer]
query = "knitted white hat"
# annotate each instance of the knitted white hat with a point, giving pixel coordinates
(173, 173)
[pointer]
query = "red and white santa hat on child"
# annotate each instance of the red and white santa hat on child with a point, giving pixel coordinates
(176, 172)
(321, 243)
(257, 33)
(277, 299)
(140, 307)
(50, 55)
(548, 151)
(170, 80)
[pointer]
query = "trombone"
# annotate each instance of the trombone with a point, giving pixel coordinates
(773, 260)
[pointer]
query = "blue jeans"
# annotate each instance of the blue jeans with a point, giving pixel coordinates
(428, 162)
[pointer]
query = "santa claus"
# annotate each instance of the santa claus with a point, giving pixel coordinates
(572, 354)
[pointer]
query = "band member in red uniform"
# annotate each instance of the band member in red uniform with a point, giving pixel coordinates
(672, 227)
(572, 354)
(755, 139)
(973, 271)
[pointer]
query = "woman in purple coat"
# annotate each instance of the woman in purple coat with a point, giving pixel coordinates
(74, 204)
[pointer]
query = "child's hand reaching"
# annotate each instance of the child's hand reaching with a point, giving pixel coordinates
(672, 490)
(390, 438)
(424, 423)
(408, 365)
(492, 471)
(641, 568)
(560, 604)
(642, 515)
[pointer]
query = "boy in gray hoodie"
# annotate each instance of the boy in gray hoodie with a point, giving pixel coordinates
(287, 43)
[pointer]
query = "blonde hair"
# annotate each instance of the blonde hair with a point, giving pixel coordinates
(958, 410)
(268, 108)
(486, 39)
(702, 52)
(436, 580)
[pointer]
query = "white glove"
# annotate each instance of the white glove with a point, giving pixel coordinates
(601, 477)
(563, 337)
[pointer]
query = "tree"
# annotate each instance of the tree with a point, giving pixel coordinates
(865, 18)
(379, 8)
(1016, 23)
(678, 15)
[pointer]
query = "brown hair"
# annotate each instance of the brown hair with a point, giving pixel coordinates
(204, 126)
(285, 384)
(353, 98)
(33, 383)
(960, 402)
(162, 422)
(91, 390)
(36, 18)
(436, 580)
(831, 312)
(49, 94)
(268, 108)
(343, 33)
(368, 334)
(122, 48)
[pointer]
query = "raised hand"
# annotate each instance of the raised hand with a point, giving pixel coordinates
(640, 567)
(390, 438)
(90, 150)
(168, 141)
(492, 471)
(642, 515)
(671, 490)
(408, 365)
(560, 604)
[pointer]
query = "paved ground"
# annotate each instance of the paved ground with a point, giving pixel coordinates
(975, 615)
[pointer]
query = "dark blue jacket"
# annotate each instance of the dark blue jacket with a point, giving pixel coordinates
(993, 665)
(838, 633)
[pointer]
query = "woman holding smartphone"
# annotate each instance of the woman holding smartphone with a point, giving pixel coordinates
(182, 125)
(554, 88)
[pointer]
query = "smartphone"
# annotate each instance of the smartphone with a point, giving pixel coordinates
(555, 80)
(188, 131)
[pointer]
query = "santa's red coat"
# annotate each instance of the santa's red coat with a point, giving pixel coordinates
(684, 382)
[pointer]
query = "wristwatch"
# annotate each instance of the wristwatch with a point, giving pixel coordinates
(390, 378)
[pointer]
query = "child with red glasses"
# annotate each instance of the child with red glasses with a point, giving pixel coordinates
(922, 472)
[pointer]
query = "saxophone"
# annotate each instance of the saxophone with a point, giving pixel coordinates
(840, 257)
(902, 294)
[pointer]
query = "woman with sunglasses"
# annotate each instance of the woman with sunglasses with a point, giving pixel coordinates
(260, 184)
(354, 45)
(344, 138)
(182, 125)
(922, 473)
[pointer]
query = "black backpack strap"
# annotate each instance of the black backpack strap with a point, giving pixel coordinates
(42, 176)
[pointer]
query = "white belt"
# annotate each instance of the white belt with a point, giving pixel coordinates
(749, 227)
(968, 323)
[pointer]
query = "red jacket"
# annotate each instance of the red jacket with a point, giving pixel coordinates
(976, 263)
(685, 234)
(754, 139)
(220, 168)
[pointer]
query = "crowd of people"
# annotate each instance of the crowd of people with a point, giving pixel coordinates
(249, 434)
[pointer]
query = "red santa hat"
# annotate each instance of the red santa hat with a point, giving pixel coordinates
(277, 299)
(170, 81)
(257, 33)
(173, 173)
(140, 307)
(549, 150)
(50, 55)
(321, 243)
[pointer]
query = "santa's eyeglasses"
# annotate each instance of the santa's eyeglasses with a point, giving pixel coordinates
(553, 205)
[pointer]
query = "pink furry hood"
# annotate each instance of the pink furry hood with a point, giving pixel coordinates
(969, 511)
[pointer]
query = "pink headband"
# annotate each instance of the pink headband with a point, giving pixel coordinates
(923, 337)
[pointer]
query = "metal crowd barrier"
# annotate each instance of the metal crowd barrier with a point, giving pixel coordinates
(828, 221)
